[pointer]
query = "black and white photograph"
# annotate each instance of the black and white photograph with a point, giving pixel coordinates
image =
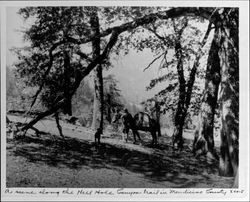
(125, 101)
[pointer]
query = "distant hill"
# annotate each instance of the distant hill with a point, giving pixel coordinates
(11, 87)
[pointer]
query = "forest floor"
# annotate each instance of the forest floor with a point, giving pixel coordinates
(48, 161)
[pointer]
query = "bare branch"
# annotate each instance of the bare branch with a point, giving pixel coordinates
(84, 56)
(153, 61)
(59, 127)
(165, 57)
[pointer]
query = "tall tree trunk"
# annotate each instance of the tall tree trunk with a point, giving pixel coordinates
(96, 112)
(204, 135)
(109, 107)
(98, 108)
(178, 130)
(97, 121)
(229, 95)
(185, 91)
(158, 116)
(68, 99)
(179, 121)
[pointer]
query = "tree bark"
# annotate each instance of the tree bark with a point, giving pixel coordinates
(98, 109)
(98, 99)
(204, 139)
(236, 180)
(229, 94)
(179, 116)
(185, 90)
(109, 107)
(158, 116)
(68, 99)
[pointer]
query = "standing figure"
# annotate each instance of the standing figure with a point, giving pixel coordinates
(98, 135)
(129, 123)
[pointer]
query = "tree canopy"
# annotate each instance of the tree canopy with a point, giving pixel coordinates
(59, 57)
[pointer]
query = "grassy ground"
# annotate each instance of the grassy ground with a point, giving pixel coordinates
(48, 161)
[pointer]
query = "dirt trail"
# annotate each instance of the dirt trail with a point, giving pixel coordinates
(79, 163)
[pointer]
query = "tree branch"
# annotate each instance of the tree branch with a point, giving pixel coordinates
(103, 56)
(52, 110)
(195, 66)
(153, 61)
(163, 15)
(84, 56)
(51, 58)
(59, 127)
(204, 40)
(38, 132)
(157, 35)
(78, 80)
(115, 31)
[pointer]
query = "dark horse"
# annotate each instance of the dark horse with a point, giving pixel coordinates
(141, 121)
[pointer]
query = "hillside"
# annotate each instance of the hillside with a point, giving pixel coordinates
(78, 162)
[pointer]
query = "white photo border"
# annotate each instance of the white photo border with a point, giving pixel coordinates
(244, 112)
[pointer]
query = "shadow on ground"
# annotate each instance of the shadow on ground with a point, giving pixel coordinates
(163, 164)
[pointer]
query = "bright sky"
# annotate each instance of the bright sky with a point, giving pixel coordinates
(14, 38)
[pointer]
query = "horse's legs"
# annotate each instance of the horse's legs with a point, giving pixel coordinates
(159, 129)
(125, 131)
(136, 134)
(127, 135)
(124, 136)
(154, 137)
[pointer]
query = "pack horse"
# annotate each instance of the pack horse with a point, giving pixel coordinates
(141, 121)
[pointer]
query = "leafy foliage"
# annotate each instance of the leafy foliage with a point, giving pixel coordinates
(42, 64)
(53, 26)
(111, 92)
(162, 40)
(112, 97)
